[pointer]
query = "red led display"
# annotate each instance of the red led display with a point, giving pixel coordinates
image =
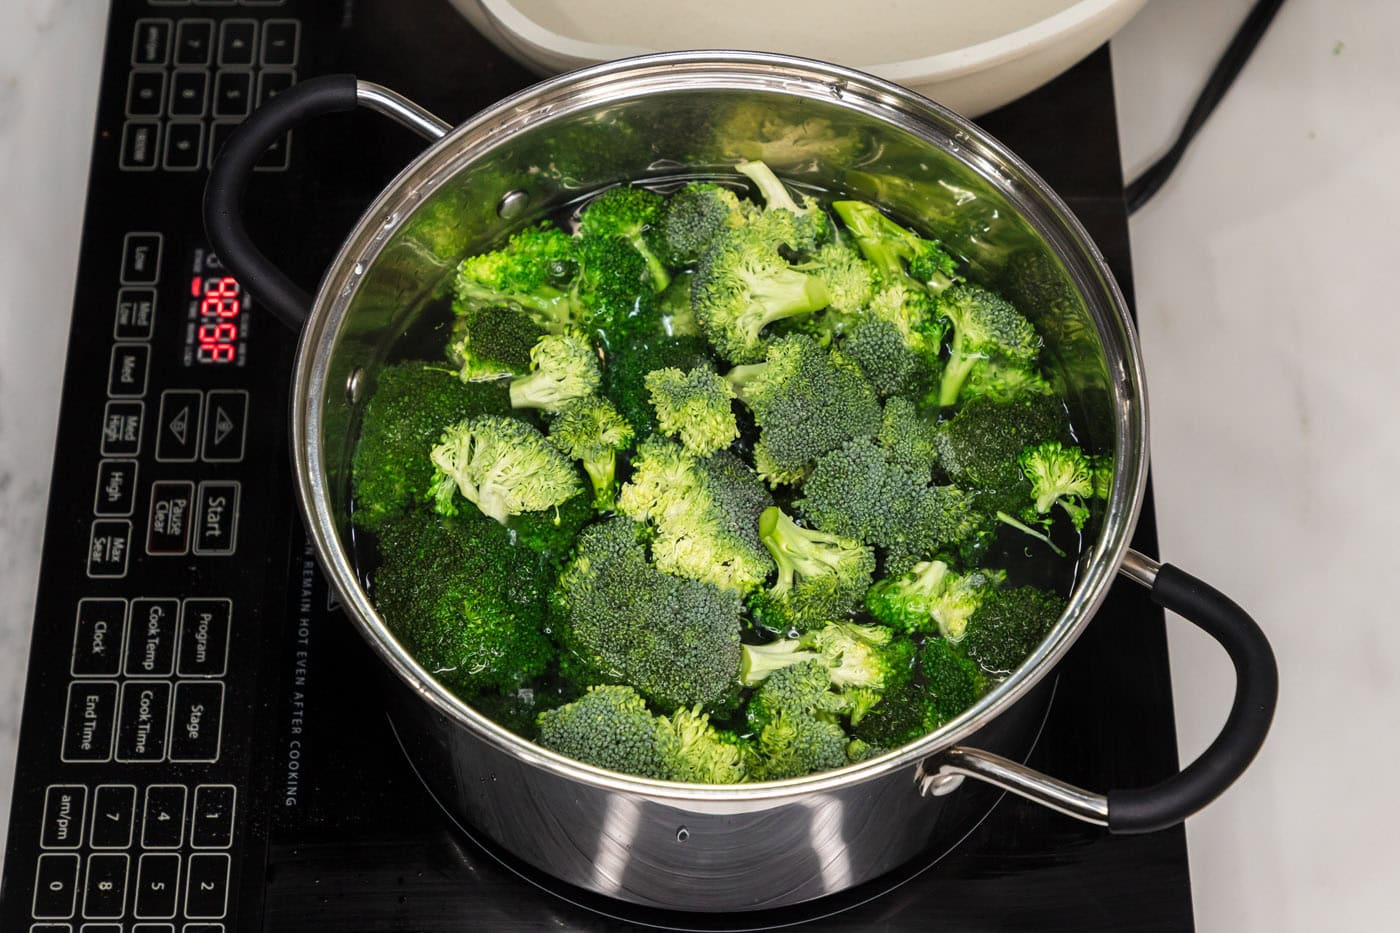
(220, 314)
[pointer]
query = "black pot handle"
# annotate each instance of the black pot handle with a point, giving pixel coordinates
(235, 162)
(1171, 801)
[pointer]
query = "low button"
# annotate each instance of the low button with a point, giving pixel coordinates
(204, 637)
(238, 39)
(172, 508)
(113, 816)
(206, 891)
(196, 721)
(127, 376)
(136, 314)
(194, 42)
(150, 43)
(108, 544)
(178, 437)
(213, 816)
(141, 256)
(121, 428)
(104, 893)
(216, 523)
(143, 720)
(225, 423)
(55, 887)
(279, 44)
(97, 637)
(150, 643)
(65, 806)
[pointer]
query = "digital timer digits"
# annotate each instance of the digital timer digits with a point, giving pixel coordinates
(216, 332)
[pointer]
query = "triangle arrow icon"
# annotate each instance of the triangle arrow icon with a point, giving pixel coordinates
(223, 424)
(180, 425)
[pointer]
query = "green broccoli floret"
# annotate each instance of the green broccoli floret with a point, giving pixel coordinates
(492, 342)
(849, 279)
(794, 717)
(690, 220)
(797, 222)
(742, 285)
(693, 751)
(695, 407)
(675, 640)
(978, 447)
(609, 727)
(563, 369)
(807, 402)
(615, 285)
(403, 419)
(904, 714)
(593, 432)
(519, 709)
(889, 247)
(705, 510)
(858, 750)
(908, 437)
(951, 681)
(915, 313)
(627, 213)
(1102, 467)
(1059, 475)
(535, 270)
(820, 576)
(624, 377)
(931, 597)
(860, 492)
(1002, 382)
(884, 358)
(503, 466)
(467, 606)
(986, 328)
(1008, 626)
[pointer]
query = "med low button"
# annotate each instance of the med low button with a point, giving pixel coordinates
(172, 507)
(204, 631)
(216, 525)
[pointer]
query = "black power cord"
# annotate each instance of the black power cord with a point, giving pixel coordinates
(1246, 40)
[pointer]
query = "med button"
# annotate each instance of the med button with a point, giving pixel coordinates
(216, 525)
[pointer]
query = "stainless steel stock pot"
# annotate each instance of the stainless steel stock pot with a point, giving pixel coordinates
(695, 847)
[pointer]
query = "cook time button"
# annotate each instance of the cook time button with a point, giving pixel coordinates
(168, 532)
(216, 527)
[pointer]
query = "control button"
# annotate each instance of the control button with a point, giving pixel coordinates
(97, 637)
(184, 146)
(272, 83)
(104, 894)
(194, 729)
(116, 488)
(150, 44)
(153, 927)
(89, 721)
(157, 885)
(107, 547)
(121, 429)
(189, 92)
(55, 887)
(225, 423)
(213, 816)
(140, 146)
(65, 806)
(113, 816)
(163, 823)
(127, 376)
(201, 928)
(136, 314)
(67, 928)
(206, 886)
(277, 156)
(279, 44)
(194, 42)
(142, 721)
(218, 135)
(204, 634)
(177, 439)
(233, 93)
(172, 507)
(150, 644)
(141, 256)
(145, 93)
(238, 40)
(216, 525)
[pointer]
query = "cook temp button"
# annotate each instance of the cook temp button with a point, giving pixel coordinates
(150, 644)
(169, 529)
(216, 528)
(195, 723)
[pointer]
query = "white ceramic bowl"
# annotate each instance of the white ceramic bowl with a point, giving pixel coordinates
(968, 55)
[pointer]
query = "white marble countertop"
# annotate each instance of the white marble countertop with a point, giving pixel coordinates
(1265, 291)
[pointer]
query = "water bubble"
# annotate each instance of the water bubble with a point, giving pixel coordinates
(682, 834)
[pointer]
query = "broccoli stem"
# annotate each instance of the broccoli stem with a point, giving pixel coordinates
(602, 472)
(956, 371)
(756, 662)
(796, 550)
(660, 277)
(1020, 526)
(775, 193)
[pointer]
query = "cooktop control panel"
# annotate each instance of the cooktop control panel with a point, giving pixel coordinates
(171, 464)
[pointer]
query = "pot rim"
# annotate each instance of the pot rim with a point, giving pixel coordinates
(754, 71)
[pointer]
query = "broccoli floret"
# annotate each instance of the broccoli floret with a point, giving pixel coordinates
(535, 270)
(951, 681)
(807, 402)
(466, 605)
(889, 247)
(503, 466)
(861, 662)
(986, 328)
(624, 377)
(403, 419)
(615, 285)
(849, 279)
(886, 361)
(931, 597)
(915, 313)
(1102, 467)
(695, 407)
(693, 751)
(705, 510)
(752, 128)
(519, 709)
(904, 714)
(1008, 626)
(908, 437)
(609, 727)
(675, 640)
(1059, 475)
(563, 369)
(820, 576)
(858, 750)
(796, 222)
(492, 342)
(978, 447)
(860, 492)
(743, 284)
(593, 432)
(1004, 383)
(793, 714)
(627, 213)
(552, 531)
(690, 220)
